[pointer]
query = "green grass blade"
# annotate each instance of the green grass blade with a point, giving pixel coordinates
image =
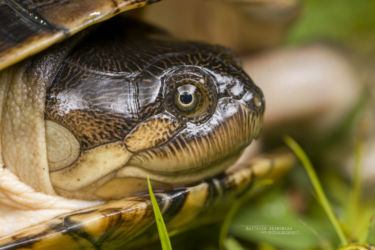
(371, 232)
(317, 186)
(162, 229)
(357, 181)
(355, 208)
(233, 244)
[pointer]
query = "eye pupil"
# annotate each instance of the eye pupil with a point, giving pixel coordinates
(186, 98)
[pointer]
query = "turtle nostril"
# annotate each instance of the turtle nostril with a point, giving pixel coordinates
(257, 101)
(253, 100)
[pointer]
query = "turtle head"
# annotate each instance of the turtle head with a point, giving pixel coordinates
(211, 111)
(180, 117)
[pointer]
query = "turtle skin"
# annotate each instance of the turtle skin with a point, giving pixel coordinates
(130, 222)
(126, 221)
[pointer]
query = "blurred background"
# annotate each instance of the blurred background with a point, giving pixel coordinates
(315, 61)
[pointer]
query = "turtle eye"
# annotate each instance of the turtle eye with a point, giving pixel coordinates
(186, 98)
(189, 93)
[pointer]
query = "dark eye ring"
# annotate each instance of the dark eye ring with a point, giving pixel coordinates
(186, 98)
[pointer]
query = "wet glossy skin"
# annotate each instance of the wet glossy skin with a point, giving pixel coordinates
(179, 109)
(129, 222)
(112, 99)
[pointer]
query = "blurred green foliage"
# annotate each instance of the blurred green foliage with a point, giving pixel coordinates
(273, 219)
(351, 23)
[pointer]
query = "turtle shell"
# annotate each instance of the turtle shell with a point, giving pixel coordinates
(28, 27)
(130, 222)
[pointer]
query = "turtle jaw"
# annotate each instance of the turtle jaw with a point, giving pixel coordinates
(182, 177)
(199, 151)
(196, 152)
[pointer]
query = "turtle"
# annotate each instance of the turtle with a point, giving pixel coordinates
(84, 121)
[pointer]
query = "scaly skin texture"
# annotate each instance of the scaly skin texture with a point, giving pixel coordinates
(129, 222)
(72, 119)
(115, 91)
(102, 110)
(44, 146)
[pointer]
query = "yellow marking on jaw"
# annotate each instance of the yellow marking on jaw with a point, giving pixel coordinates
(153, 132)
(198, 151)
(91, 166)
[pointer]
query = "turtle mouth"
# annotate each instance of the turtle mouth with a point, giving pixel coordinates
(198, 152)
(130, 180)
(195, 153)
(183, 176)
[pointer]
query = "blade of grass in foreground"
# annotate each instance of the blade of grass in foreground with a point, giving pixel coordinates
(162, 229)
(233, 244)
(318, 188)
(358, 211)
